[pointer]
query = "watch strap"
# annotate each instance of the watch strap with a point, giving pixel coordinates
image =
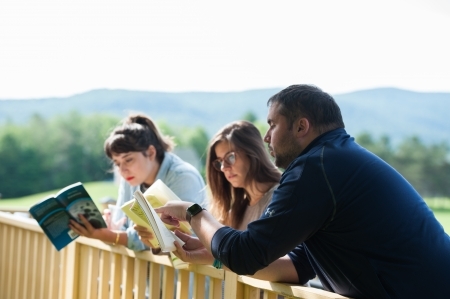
(192, 211)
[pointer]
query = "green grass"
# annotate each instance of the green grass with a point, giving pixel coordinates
(96, 190)
(444, 219)
(438, 203)
(441, 209)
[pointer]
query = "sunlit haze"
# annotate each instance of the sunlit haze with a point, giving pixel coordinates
(61, 48)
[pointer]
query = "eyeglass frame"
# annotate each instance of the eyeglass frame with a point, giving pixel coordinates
(223, 161)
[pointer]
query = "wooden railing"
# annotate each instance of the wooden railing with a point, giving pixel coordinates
(30, 267)
(16, 210)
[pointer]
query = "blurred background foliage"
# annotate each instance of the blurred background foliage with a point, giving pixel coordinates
(49, 153)
(426, 167)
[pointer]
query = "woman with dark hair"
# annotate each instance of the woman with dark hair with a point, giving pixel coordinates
(142, 155)
(240, 179)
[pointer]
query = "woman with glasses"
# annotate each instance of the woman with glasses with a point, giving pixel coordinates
(142, 154)
(240, 175)
(241, 179)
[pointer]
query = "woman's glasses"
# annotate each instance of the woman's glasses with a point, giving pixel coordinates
(228, 160)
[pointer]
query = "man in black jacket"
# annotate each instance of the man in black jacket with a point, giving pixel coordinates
(340, 212)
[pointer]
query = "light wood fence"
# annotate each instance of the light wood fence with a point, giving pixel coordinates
(30, 267)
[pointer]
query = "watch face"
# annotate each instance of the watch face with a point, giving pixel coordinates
(194, 209)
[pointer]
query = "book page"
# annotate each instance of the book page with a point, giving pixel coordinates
(134, 211)
(158, 194)
(78, 201)
(163, 234)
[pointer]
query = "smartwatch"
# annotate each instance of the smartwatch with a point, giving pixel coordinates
(192, 211)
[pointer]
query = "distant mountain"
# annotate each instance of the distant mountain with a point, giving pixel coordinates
(394, 112)
(397, 113)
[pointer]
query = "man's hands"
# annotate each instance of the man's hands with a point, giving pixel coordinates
(174, 212)
(204, 226)
(193, 250)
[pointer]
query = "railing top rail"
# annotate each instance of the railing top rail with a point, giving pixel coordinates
(14, 209)
(23, 222)
(287, 290)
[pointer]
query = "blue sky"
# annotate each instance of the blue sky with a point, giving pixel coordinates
(60, 48)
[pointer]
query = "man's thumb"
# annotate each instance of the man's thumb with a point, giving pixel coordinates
(184, 237)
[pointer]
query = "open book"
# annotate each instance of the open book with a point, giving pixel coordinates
(53, 214)
(165, 237)
(141, 211)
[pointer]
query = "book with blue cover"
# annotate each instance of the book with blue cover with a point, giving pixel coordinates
(53, 214)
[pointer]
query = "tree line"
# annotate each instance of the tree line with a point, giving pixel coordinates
(46, 154)
(426, 167)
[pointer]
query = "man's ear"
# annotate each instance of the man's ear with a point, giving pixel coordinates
(302, 126)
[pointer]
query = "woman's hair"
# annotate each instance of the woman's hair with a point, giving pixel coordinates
(245, 139)
(135, 134)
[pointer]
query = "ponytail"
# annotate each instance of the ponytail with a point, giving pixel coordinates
(136, 133)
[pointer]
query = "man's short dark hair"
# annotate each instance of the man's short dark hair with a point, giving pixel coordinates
(310, 102)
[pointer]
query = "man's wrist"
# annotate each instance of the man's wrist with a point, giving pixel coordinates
(192, 211)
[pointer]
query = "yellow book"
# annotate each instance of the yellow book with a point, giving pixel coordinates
(137, 215)
(141, 211)
(158, 194)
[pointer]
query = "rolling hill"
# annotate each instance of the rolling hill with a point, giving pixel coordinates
(393, 112)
